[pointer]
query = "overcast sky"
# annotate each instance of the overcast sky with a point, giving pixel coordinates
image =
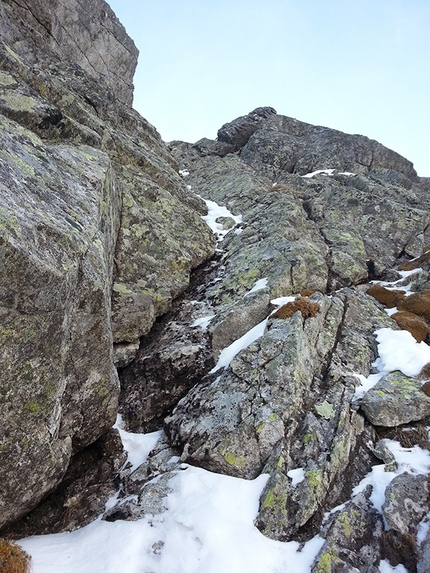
(361, 66)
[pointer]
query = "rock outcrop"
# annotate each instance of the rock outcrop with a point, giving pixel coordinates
(91, 204)
(285, 403)
(85, 33)
(248, 352)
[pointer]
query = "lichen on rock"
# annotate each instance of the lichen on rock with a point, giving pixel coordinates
(396, 399)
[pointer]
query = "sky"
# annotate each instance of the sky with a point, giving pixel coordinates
(360, 66)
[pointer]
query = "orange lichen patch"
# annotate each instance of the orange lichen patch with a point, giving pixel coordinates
(388, 297)
(13, 559)
(415, 263)
(425, 372)
(418, 303)
(409, 321)
(306, 292)
(306, 307)
(426, 389)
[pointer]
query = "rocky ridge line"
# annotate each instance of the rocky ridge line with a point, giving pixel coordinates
(101, 220)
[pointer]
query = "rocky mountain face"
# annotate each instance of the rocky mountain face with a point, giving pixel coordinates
(101, 311)
(98, 235)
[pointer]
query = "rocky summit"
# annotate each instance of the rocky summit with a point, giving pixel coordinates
(245, 332)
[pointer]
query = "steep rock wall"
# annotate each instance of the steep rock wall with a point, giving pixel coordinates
(84, 32)
(91, 206)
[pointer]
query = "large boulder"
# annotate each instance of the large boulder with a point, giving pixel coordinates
(90, 203)
(394, 400)
(352, 538)
(237, 132)
(59, 389)
(406, 502)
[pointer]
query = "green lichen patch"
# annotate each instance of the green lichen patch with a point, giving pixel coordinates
(273, 417)
(121, 289)
(346, 524)
(276, 500)
(6, 79)
(326, 562)
(18, 102)
(233, 460)
(315, 479)
(325, 410)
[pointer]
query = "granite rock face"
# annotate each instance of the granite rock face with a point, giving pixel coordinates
(86, 33)
(286, 402)
(106, 261)
(57, 249)
(98, 234)
(284, 144)
(243, 420)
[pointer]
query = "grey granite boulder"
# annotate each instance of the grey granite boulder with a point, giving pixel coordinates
(396, 399)
(238, 132)
(59, 387)
(352, 539)
(406, 502)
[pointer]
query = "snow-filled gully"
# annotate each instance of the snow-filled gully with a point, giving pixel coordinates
(209, 523)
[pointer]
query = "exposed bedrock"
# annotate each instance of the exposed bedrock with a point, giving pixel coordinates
(84, 32)
(106, 261)
(274, 143)
(285, 403)
(98, 234)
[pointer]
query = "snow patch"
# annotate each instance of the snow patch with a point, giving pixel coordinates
(282, 300)
(423, 529)
(366, 384)
(137, 446)
(203, 322)
(207, 528)
(259, 285)
(386, 567)
(398, 350)
(216, 211)
(328, 172)
(228, 353)
(413, 460)
(297, 476)
(406, 274)
(391, 311)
